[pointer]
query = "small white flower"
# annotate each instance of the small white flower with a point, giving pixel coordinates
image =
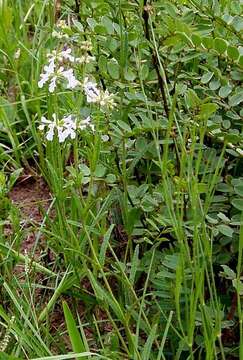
(59, 35)
(50, 132)
(53, 84)
(85, 59)
(86, 46)
(63, 55)
(91, 91)
(64, 128)
(105, 138)
(66, 54)
(86, 122)
(95, 95)
(107, 100)
(50, 126)
(48, 72)
(62, 24)
(70, 126)
(69, 76)
(17, 54)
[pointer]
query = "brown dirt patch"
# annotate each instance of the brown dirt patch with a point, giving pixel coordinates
(32, 197)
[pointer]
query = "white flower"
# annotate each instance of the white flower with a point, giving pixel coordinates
(48, 72)
(107, 99)
(85, 59)
(70, 126)
(53, 79)
(91, 91)
(17, 54)
(64, 128)
(53, 84)
(66, 54)
(59, 34)
(52, 74)
(86, 46)
(62, 24)
(95, 95)
(105, 138)
(63, 55)
(69, 76)
(50, 126)
(86, 122)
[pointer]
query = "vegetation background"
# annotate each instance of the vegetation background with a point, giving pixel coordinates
(125, 242)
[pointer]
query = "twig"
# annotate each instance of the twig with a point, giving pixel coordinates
(145, 15)
(77, 8)
(58, 5)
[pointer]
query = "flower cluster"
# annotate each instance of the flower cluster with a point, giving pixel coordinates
(60, 33)
(64, 128)
(95, 95)
(59, 69)
(55, 71)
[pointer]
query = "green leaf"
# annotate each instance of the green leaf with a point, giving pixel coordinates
(110, 178)
(238, 23)
(100, 29)
(241, 60)
(104, 245)
(238, 285)
(192, 99)
(226, 124)
(214, 85)
(220, 45)
(237, 203)
(144, 71)
(225, 230)
(107, 298)
(111, 44)
(108, 24)
(102, 63)
(206, 110)
(146, 354)
(100, 170)
(124, 126)
(73, 332)
(134, 265)
(236, 99)
(232, 138)
(233, 52)
(184, 37)
(84, 169)
(113, 69)
(206, 77)
(239, 189)
(4, 356)
(133, 217)
(14, 177)
(208, 42)
(78, 25)
(224, 91)
(196, 39)
(230, 274)
(129, 75)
